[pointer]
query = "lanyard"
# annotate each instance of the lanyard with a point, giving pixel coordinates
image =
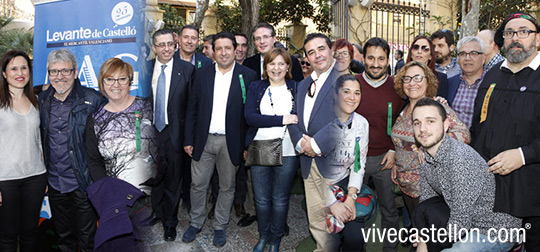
(241, 77)
(389, 119)
(357, 164)
(138, 130)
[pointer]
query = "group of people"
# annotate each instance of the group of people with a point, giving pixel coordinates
(338, 114)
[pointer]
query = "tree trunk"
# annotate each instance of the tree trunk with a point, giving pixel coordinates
(202, 6)
(250, 18)
(469, 21)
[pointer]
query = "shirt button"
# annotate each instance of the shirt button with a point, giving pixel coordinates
(116, 210)
(130, 197)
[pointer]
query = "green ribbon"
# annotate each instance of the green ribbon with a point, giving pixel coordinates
(199, 64)
(243, 88)
(389, 119)
(138, 130)
(357, 164)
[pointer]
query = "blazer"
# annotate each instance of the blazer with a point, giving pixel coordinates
(254, 62)
(199, 112)
(200, 60)
(252, 108)
(449, 89)
(321, 115)
(181, 80)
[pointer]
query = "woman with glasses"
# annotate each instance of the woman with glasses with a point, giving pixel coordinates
(343, 53)
(22, 171)
(423, 50)
(416, 81)
(120, 138)
(268, 111)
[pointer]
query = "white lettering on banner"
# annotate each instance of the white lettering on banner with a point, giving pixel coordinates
(86, 33)
(81, 33)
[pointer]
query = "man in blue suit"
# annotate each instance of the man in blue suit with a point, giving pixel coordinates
(315, 109)
(171, 80)
(189, 40)
(215, 134)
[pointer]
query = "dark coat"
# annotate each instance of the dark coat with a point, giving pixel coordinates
(449, 89)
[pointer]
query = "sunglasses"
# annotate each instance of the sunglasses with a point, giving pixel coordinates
(424, 48)
(305, 63)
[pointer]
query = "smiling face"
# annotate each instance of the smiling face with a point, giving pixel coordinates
(415, 90)
(241, 48)
(348, 98)
(429, 127)
(521, 49)
(117, 91)
(264, 41)
(376, 63)
(319, 55)
(207, 50)
(164, 47)
(277, 69)
(224, 53)
(189, 39)
(17, 73)
(420, 54)
(61, 83)
(343, 59)
(471, 65)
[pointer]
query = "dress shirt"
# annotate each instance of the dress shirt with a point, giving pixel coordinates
(262, 66)
(155, 77)
(450, 69)
(222, 85)
(464, 100)
(496, 59)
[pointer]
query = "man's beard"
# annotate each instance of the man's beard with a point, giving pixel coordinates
(518, 56)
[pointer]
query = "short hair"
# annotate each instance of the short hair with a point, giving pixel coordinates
(431, 79)
(111, 66)
(426, 101)
(359, 48)
(491, 34)
(340, 43)
(5, 95)
(209, 38)
(469, 39)
(226, 35)
(161, 32)
(241, 34)
(400, 53)
(431, 62)
(272, 55)
(267, 26)
(448, 35)
(63, 55)
(377, 42)
(342, 79)
(315, 35)
(189, 27)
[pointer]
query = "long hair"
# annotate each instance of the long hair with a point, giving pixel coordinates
(5, 95)
(431, 62)
(431, 79)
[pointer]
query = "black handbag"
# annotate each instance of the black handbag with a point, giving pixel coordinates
(265, 152)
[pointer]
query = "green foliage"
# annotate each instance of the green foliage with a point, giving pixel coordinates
(4, 21)
(15, 39)
(492, 12)
(172, 20)
(229, 18)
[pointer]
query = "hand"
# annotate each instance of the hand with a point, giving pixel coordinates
(290, 119)
(505, 162)
(341, 211)
(421, 247)
(388, 160)
(422, 157)
(441, 100)
(350, 202)
(306, 147)
(245, 155)
(393, 174)
(189, 150)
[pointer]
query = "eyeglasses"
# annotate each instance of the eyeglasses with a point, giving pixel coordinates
(305, 63)
(417, 78)
(521, 34)
(163, 44)
(344, 54)
(110, 81)
(313, 86)
(65, 72)
(416, 47)
(473, 54)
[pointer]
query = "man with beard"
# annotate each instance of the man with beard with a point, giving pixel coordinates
(380, 105)
(456, 189)
(506, 123)
(443, 40)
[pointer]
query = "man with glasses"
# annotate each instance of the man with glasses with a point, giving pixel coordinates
(506, 123)
(171, 79)
(189, 40)
(462, 88)
(264, 36)
(64, 111)
(443, 40)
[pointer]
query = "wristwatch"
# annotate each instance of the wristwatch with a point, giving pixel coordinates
(353, 196)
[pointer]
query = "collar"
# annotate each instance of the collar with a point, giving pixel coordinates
(169, 64)
(441, 152)
(373, 83)
(534, 64)
(314, 74)
(476, 83)
(452, 64)
(230, 71)
(346, 124)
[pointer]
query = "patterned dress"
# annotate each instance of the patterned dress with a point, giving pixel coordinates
(407, 162)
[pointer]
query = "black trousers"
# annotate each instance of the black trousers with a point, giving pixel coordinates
(19, 213)
(433, 211)
(74, 220)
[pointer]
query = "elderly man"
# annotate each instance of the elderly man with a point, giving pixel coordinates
(506, 123)
(443, 40)
(189, 40)
(64, 111)
(493, 56)
(462, 88)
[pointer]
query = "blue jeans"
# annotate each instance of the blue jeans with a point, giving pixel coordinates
(272, 190)
(480, 243)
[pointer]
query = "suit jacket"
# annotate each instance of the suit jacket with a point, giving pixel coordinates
(321, 115)
(181, 80)
(254, 62)
(200, 60)
(448, 87)
(199, 112)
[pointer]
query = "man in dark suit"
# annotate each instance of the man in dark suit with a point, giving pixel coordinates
(398, 56)
(189, 40)
(264, 36)
(315, 109)
(171, 80)
(215, 134)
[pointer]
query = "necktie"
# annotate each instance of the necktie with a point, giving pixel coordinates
(159, 113)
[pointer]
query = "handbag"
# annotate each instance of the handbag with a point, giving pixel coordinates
(366, 201)
(265, 152)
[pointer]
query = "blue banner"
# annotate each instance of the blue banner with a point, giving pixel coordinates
(94, 31)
